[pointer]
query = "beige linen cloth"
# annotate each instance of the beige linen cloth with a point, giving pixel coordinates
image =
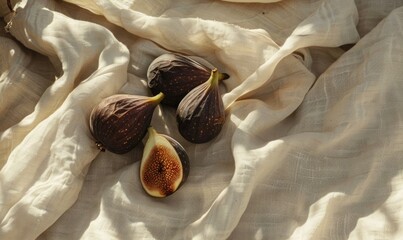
(312, 146)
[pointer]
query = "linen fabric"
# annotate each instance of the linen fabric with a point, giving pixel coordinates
(311, 148)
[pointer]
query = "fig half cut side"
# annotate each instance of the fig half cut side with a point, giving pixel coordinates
(164, 166)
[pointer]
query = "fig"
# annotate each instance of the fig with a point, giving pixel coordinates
(201, 114)
(118, 123)
(164, 166)
(176, 75)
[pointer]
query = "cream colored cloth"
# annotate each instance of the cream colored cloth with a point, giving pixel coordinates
(312, 145)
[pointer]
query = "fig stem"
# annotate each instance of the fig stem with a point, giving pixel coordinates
(214, 77)
(157, 98)
(224, 76)
(151, 131)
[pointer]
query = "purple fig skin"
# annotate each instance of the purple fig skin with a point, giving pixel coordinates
(180, 150)
(118, 123)
(201, 114)
(176, 75)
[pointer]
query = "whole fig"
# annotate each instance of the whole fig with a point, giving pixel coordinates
(164, 166)
(118, 123)
(201, 114)
(176, 75)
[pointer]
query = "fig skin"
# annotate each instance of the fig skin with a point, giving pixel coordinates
(118, 123)
(176, 75)
(164, 167)
(201, 114)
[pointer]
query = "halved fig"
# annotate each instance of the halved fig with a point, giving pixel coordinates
(118, 123)
(164, 166)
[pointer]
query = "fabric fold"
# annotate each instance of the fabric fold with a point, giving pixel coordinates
(311, 144)
(48, 152)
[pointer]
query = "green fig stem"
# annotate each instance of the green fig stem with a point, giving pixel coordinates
(214, 78)
(157, 98)
(151, 131)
